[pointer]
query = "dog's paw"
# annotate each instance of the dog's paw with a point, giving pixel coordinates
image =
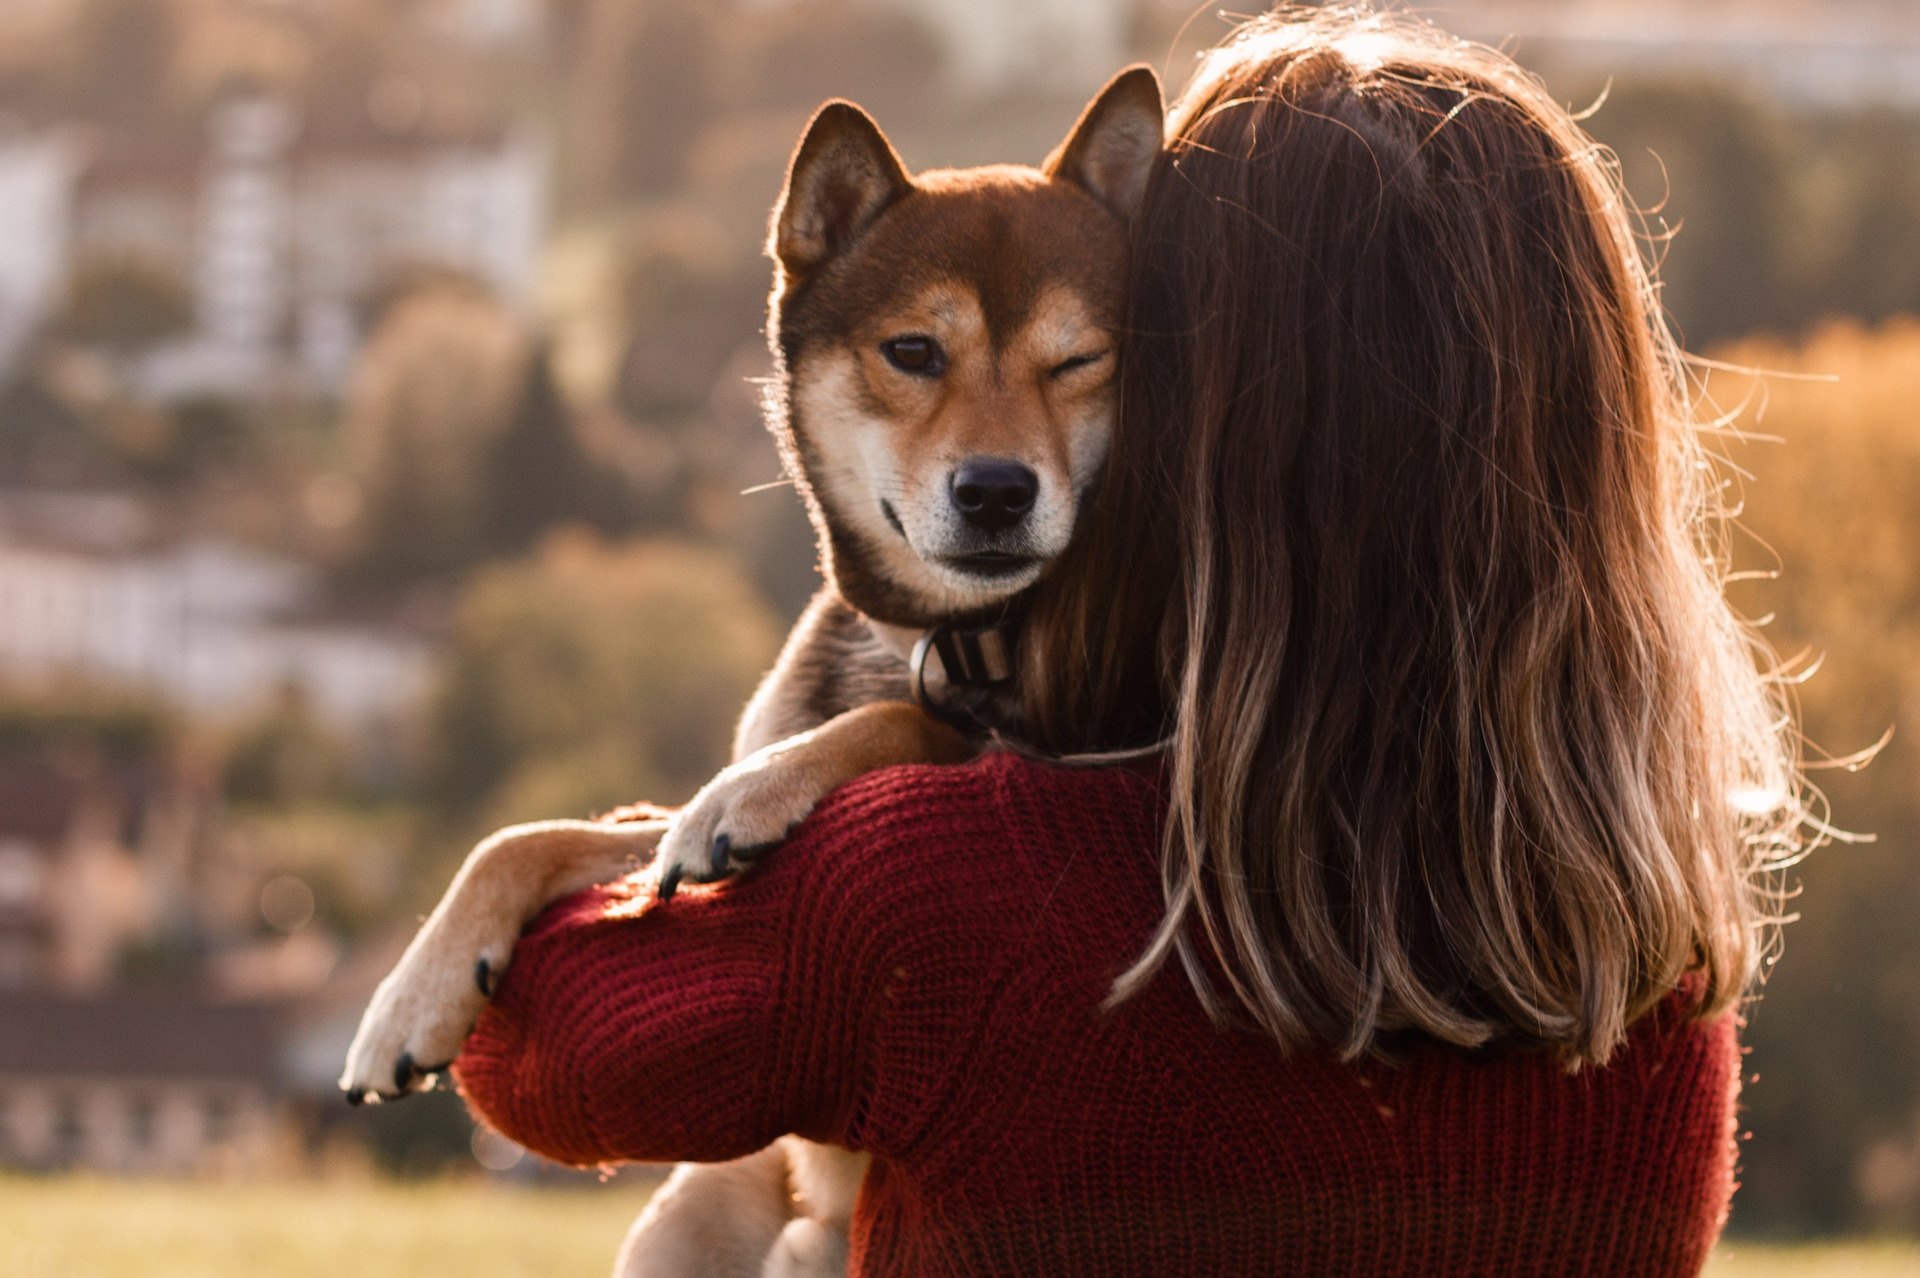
(738, 817)
(808, 1249)
(419, 1018)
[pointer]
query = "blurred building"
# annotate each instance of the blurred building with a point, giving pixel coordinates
(109, 1063)
(86, 589)
(285, 234)
(89, 854)
(37, 175)
(142, 1081)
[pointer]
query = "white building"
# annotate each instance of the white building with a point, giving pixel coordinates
(358, 214)
(37, 175)
(286, 239)
(207, 623)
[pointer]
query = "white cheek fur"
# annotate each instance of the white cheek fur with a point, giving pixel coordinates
(859, 465)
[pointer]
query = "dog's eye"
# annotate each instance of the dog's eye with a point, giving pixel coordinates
(915, 353)
(1071, 363)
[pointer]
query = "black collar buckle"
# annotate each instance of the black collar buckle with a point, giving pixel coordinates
(978, 661)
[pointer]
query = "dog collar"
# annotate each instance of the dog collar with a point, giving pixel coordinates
(979, 662)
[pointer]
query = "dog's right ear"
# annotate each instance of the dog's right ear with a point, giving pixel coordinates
(1112, 147)
(844, 174)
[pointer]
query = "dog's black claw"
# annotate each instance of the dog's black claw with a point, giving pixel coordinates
(669, 884)
(403, 1072)
(356, 1096)
(483, 977)
(722, 848)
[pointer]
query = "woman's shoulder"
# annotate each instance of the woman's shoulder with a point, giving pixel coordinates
(1001, 787)
(1003, 807)
(961, 867)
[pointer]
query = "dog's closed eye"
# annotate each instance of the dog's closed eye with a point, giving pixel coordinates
(1074, 363)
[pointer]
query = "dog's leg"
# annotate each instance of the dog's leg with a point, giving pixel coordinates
(752, 805)
(426, 1006)
(808, 1248)
(711, 1220)
(780, 1213)
(825, 1182)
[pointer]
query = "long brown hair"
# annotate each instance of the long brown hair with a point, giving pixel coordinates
(1408, 545)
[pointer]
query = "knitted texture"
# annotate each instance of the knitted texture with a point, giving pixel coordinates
(918, 973)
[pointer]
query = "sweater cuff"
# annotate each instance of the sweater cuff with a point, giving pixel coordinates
(520, 1070)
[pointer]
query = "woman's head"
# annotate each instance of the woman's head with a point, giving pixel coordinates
(1465, 739)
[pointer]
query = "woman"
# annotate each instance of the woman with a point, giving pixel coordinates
(1461, 835)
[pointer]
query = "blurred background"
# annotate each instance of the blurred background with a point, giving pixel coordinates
(380, 462)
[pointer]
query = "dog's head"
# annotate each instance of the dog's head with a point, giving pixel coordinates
(946, 347)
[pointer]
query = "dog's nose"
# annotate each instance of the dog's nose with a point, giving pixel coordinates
(992, 493)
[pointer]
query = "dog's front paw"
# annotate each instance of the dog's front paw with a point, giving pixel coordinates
(740, 816)
(419, 1017)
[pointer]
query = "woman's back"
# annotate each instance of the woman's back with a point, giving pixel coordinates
(920, 974)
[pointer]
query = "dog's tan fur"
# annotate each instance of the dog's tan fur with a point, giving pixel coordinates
(1016, 274)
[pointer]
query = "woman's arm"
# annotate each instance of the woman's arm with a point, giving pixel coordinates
(824, 995)
(628, 1031)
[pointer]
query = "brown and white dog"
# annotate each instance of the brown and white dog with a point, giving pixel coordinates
(945, 349)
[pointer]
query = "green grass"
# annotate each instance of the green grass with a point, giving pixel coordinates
(89, 1228)
(1833, 1260)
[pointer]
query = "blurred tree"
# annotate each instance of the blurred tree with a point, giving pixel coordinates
(1857, 179)
(1710, 164)
(285, 756)
(540, 475)
(639, 89)
(211, 432)
(430, 395)
(1834, 1106)
(1766, 220)
(43, 438)
(184, 444)
(689, 298)
(54, 720)
(125, 304)
(592, 675)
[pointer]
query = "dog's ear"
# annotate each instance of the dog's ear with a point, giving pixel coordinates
(843, 175)
(1113, 144)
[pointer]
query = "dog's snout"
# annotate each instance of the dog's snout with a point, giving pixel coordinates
(992, 493)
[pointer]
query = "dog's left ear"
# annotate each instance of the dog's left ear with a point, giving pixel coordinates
(1113, 144)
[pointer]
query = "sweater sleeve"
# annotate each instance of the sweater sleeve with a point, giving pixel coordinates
(820, 995)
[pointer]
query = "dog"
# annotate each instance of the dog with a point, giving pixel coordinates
(944, 396)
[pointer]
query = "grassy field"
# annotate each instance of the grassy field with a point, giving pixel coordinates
(150, 1229)
(106, 1229)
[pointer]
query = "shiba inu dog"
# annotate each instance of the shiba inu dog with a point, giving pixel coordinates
(945, 348)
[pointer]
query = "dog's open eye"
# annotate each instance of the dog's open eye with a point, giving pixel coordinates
(1074, 362)
(915, 353)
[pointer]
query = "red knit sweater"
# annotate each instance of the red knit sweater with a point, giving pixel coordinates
(918, 973)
